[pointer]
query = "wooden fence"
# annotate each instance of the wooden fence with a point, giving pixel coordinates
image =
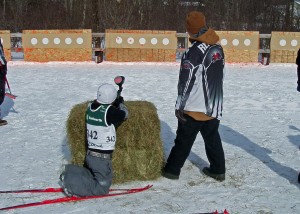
(140, 45)
(260, 45)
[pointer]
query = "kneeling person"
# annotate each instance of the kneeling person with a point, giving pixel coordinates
(103, 116)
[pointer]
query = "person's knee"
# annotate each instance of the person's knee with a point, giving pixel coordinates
(1, 99)
(2, 93)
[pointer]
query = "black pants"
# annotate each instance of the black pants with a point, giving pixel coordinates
(298, 74)
(94, 180)
(2, 88)
(186, 135)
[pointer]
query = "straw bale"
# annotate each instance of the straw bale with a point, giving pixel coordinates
(139, 151)
(76, 133)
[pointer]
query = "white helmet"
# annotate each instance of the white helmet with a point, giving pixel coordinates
(106, 93)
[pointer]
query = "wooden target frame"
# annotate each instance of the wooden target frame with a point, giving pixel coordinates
(140, 45)
(5, 39)
(57, 45)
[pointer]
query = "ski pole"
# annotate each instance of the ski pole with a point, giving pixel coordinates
(10, 95)
(5, 79)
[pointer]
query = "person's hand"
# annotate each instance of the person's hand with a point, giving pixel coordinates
(119, 100)
(180, 116)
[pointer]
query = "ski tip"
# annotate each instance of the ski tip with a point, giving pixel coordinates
(148, 186)
(215, 212)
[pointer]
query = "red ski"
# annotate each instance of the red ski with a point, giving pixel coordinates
(53, 190)
(216, 212)
(34, 190)
(10, 95)
(68, 199)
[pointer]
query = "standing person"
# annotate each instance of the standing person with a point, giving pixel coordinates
(298, 74)
(103, 116)
(3, 71)
(199, 103)
(298, 82)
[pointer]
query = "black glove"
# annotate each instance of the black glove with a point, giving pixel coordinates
(180, 116)
(119, 100)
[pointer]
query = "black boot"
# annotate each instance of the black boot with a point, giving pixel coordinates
(3, 122)
(169, 175)
(218, 177)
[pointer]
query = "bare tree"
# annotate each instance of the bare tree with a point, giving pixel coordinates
(260, 15)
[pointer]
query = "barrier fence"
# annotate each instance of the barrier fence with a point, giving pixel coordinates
(57, 45)
(5, 39)
(148, 46)
(240, 46)
(284, 46)
(143, 45)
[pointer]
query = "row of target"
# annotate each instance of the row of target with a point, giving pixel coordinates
(153, 41)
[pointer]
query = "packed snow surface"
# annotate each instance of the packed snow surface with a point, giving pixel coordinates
(260, 131)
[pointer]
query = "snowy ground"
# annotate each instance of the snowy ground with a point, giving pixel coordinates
(260, 131)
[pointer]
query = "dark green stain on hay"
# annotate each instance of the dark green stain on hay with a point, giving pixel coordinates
(139, 151)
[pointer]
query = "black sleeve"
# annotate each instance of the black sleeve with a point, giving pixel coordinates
(115, 116)
(3, 63)
(1, 48)
(298, 58)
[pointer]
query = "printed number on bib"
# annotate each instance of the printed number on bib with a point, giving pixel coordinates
(110, 139)
(92, 134)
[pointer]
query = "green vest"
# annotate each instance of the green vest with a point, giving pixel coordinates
(100, 135)
(96, 117)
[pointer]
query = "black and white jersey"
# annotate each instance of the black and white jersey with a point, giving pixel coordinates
(3, 64)
(200, 85)
(298, 58)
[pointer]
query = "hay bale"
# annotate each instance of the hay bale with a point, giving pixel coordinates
(139, 151)
(76, 133)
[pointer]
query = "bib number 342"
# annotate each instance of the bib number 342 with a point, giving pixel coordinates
(92, 134)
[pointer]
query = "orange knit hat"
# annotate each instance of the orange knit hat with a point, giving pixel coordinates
(195, 21)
